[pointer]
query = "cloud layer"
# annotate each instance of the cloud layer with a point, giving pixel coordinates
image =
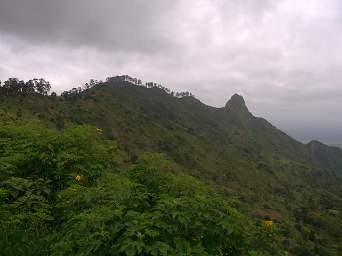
(284, 56)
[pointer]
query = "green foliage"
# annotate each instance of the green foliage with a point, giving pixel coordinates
(30, 150)
(150, 212)
(267, 173)
(45, 210)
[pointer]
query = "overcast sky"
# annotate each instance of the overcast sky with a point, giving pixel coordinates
(283, 56)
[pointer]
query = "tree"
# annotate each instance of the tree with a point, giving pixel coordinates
(29, 87)
(15, 87)
(11, 86)
(42, 87)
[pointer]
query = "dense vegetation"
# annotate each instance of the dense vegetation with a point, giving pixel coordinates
(123, 188)
(64, 193)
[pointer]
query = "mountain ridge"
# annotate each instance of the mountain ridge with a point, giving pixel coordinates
(239, 154)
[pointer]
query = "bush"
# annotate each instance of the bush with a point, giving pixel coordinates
(59, 195)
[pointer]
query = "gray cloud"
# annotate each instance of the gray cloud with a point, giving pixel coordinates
(285, 56)
(121, 25)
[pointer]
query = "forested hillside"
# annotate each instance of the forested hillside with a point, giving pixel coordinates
(119, 168)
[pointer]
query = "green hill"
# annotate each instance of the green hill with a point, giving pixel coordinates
(261, 171)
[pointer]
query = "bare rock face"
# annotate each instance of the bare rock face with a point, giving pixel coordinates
(237, 104)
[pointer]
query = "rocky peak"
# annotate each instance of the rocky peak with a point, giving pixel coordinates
(237, 104)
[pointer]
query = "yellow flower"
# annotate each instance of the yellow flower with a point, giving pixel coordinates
(78, 178)
(99, 130)
(268, 223)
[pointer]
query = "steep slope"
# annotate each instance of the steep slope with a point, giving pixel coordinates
(68, 193)
(327, 157)
(273, 175)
